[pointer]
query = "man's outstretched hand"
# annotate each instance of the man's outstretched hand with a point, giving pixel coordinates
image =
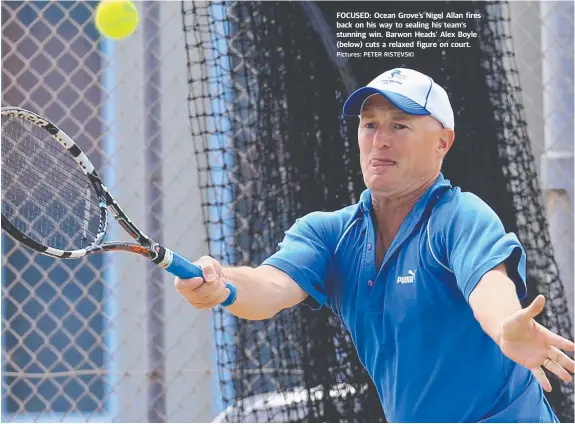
(530, 344)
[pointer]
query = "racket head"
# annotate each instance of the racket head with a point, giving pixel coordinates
(53, 200)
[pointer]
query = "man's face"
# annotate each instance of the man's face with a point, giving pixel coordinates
(398, 151)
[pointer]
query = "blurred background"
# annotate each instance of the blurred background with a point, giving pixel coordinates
(216, 125)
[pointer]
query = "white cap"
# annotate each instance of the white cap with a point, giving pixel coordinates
(410, 91)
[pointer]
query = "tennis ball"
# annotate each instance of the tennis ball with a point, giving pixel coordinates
(116, 19)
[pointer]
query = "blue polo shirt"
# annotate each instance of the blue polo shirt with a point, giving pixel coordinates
(410, 320)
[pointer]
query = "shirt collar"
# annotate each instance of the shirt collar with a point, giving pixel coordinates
(430, 194)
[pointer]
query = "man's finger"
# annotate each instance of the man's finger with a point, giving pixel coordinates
(187, 286)
(215, 302)
(213, 297)
(562, 359)
(209, 273)
(558, 370)
(206, 290)
(536, 307)
(223, 296)
(556, 340)
(210, 267)
(541, 378)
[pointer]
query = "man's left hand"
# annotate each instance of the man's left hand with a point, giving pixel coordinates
(530, 344)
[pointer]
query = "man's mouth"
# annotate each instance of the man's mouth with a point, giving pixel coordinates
(381, 162)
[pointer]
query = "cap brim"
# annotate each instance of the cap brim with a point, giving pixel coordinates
(354, 102)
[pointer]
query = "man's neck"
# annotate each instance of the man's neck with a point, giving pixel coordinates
(390, 211)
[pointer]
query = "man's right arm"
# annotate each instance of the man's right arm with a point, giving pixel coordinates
(304, 255)
(262, 292)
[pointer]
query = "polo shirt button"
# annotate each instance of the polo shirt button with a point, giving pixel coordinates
(370, 283)
(369, 246)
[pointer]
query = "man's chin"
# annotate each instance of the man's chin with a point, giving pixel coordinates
(382, 183)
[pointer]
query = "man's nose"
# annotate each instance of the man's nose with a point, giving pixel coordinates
(381, 139)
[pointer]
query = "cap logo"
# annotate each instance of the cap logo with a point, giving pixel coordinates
(396, 73)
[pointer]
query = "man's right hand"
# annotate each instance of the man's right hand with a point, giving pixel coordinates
(207, 292)
(262, 291)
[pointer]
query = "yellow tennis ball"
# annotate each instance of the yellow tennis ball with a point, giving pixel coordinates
(116, 19)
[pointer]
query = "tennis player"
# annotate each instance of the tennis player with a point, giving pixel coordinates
(423, 275)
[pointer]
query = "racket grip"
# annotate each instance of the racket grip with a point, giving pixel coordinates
(181, 267)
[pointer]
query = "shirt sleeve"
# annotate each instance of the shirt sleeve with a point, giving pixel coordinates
(476, 242)
(305, 256)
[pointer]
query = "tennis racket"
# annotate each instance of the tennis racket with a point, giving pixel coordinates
(54, 201)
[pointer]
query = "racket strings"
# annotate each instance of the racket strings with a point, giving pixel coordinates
(57, 160)
(52, 225)
(45, 194)
(28, 161)
(26, 181)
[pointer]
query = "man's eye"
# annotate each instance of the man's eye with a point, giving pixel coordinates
(370, 125)
(399, 126)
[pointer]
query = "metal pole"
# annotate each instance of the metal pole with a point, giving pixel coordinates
(557, 159)
(153, 155)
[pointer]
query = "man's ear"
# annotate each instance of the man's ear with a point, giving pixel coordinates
(446, 138)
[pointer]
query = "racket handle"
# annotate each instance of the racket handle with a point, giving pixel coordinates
(181, 267)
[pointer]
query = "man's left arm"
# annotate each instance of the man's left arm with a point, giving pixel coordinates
(496, 307)
(493, 300)
(490, 268)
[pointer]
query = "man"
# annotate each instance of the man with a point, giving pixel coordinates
(422, 275)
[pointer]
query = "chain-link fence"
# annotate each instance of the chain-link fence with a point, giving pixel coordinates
(543, 45)
(107, 338)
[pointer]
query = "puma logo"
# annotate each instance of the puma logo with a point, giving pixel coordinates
(407, 279)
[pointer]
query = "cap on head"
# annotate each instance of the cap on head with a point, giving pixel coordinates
(410, 91)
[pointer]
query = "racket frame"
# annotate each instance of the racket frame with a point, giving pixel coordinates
(144, 246)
